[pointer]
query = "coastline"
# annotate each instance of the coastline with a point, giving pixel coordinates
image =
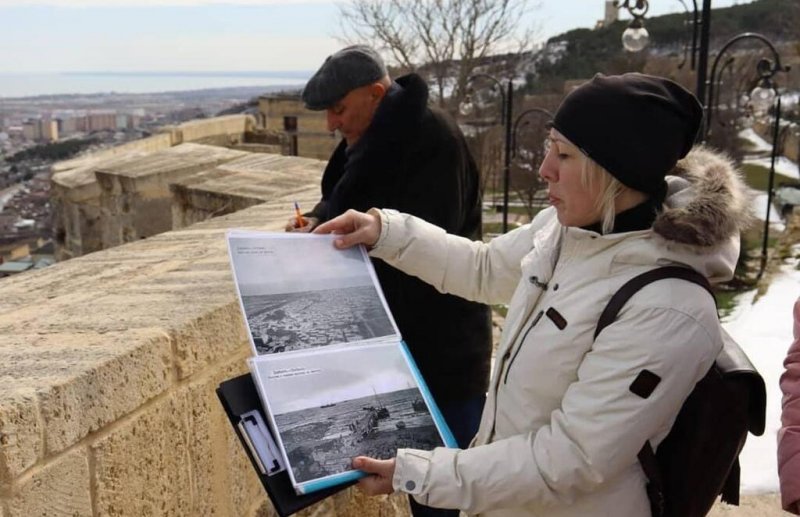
(33, 86)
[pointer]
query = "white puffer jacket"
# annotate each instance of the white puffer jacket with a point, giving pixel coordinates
(561, 428)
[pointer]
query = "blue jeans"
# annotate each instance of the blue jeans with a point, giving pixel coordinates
(463, 417)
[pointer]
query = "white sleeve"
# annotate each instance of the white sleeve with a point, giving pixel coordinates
(594, 436)
(484, 272)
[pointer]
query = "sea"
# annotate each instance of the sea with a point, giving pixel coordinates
(32, 84)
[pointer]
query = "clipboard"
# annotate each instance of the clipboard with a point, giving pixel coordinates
(240, 399)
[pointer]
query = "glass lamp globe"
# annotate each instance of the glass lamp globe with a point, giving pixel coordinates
(634, 39)
(761, 98)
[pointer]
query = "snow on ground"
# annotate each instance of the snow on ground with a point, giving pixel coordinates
(760, 212)
(783, 165)
(756, 143)
(764, 330)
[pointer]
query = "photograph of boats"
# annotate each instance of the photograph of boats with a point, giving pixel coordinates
(299, 292)
(333, 405)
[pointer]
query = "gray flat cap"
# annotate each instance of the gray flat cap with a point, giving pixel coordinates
(341, 73)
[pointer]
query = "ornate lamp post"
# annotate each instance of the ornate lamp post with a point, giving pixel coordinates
(536, 119)
(635, 37)
(506, 105)
(762, 97)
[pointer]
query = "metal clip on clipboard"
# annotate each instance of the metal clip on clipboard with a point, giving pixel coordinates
(259, 440)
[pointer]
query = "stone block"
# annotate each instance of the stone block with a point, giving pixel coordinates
(142, 466)
(86, 381)
(60, 488)
(216, 334)
(213, 484)
(20, 430)
(353, 503)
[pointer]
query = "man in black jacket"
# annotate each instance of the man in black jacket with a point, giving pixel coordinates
(399, 153)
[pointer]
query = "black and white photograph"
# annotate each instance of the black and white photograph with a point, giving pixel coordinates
(297, 292)
(332, 405)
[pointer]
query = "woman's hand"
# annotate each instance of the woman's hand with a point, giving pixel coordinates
(380, 476)
(354, 228)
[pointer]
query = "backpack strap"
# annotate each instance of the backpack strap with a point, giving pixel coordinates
(636, 283)
(646, 456)
(655, 485)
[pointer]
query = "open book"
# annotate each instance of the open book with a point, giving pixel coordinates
(335, 379)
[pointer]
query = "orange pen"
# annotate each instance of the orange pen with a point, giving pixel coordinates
(301, 221)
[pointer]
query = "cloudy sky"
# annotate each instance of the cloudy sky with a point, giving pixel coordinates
(208, 35)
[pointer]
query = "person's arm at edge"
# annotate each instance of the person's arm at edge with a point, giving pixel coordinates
(789, 434)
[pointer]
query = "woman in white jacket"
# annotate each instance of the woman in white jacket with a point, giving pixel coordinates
(567, 414)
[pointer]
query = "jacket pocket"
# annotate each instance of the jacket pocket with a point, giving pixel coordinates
(521, 343)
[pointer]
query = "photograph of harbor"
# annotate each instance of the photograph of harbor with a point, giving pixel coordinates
(333, 405)
(299, 292)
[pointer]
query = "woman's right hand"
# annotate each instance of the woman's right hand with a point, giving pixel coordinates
(354, 228)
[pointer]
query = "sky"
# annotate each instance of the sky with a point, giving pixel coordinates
(41, 36)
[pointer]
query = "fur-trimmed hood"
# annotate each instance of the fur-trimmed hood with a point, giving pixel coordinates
(707, 201)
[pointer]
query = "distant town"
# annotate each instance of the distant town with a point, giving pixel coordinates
(37, 131)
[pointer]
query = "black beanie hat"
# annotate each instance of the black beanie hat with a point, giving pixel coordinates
(635, 126)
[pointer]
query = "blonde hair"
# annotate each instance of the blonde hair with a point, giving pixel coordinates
(611, 188)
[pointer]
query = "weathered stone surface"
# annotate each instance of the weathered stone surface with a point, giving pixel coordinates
(144, 145)
(83, 381)
(213, 483)
(135, 196)
(142, 466)
(242, 183)
(59, 488)
(245, 489)
(353, 503)
(107, 390)
(232, 125)
(20, 430)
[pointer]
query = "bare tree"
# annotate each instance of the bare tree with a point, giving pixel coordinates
(449, 38)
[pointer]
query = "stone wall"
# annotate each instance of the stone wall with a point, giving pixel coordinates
(108, 365)
(134, 197)
(313, 138)
(242, 183)
(75, 193)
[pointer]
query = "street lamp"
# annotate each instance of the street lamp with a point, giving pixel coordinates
(527, 158)
(701, 22)
(763, 96)
(507, 101)
(635, 37)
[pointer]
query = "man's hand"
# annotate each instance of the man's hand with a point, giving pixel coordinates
(354, 228)
(380, 476)
(311, 223)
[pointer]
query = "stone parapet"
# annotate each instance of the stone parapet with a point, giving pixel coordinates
(225, 130)
(242, 183)
(150, 144)
(135, 198)
(109, 361)
(77, 212)
(75, 199)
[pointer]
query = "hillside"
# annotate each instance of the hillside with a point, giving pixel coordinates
(582, 52)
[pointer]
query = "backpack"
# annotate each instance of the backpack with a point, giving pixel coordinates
(699, 458)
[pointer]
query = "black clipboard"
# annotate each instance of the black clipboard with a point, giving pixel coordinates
(239, 396)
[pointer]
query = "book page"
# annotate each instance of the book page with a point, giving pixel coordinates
(330, 405)
(297, 291)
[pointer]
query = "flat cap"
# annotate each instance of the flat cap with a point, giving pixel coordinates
(342, 72)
